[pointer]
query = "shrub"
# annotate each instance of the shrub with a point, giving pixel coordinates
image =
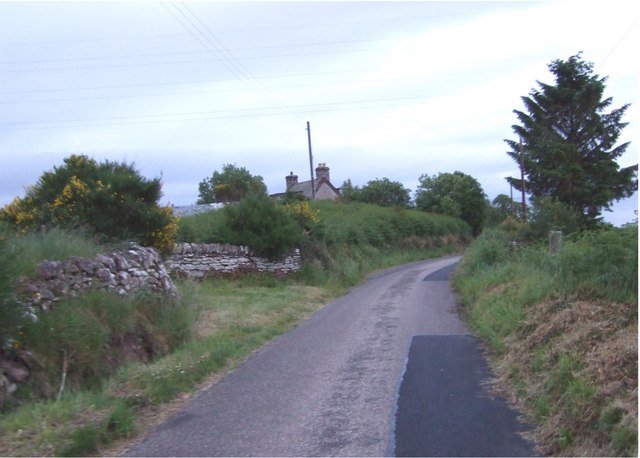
(263, 225)
(109, 199)
(551, 215)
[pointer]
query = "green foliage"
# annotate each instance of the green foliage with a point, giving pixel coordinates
(89, 334)
(383, 192)
(358, 224)
(231, 185)
(570, 140)
(455, 194)
(214, 323)
(357, 238)
(546, 215)
(551, 320)
(600, 263)
(109, 199)
(594, 264)
(19, 255)
(207, 227)
(11, 314)
(499, 210)
(260, 223)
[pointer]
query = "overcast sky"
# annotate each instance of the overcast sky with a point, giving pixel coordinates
(393, 89)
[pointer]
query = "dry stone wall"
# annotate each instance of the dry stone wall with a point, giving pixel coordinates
(193, 260)
(120, 272)
(141, 267)
(123, 272)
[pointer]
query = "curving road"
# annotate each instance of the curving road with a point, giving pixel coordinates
(340, 383)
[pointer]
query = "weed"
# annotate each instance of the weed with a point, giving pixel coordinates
(122, 420)
(84, 441)
(625, 441)
(564, 438)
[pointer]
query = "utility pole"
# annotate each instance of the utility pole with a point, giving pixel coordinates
(313, 185)
(513, 210)
(524, 204)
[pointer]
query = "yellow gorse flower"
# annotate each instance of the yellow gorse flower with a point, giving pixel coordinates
(304, 209)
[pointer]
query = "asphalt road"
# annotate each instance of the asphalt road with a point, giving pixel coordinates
(340, 382)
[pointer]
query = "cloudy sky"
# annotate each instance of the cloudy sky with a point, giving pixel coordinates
(391, 89)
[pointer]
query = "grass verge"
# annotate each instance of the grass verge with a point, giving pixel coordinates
(562, 330)
(234, 317)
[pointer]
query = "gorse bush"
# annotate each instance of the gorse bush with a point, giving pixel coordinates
(109, 199)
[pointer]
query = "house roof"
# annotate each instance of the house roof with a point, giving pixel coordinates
(304, 187)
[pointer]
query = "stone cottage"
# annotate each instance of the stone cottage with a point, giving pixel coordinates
(323, 186)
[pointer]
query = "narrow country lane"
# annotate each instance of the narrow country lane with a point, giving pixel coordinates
(331, 386)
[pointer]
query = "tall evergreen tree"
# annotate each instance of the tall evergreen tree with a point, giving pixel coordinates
(569, 141)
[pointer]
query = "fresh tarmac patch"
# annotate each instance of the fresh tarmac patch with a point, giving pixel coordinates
(446, 408)
(442, 274)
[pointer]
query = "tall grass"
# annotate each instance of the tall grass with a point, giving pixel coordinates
(27, 250)
(562, 328)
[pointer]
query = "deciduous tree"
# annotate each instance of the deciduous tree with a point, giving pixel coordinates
(455, 194)
(232, 184)
(383, 192)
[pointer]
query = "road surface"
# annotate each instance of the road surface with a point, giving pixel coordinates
(339, 383)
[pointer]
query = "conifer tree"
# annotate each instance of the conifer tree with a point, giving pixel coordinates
(569, 142)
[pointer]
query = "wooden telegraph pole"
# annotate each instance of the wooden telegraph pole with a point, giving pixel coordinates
(313, 185)
(513, 210)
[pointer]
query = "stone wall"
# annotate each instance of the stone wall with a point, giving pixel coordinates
(140, 267)
(123, 272)
(119, 272)
(193, 260)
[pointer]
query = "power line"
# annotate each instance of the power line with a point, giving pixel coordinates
(287, 86)
(248, 48)
(235, 67)
(168, 62)
(254, 29)
(208, 112)
(291, 75)
(619, 41)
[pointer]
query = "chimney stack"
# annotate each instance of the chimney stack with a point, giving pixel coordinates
(322, 171)
(292, 180)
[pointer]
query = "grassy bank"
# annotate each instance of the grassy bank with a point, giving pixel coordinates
(229, 320)
(562, 333)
